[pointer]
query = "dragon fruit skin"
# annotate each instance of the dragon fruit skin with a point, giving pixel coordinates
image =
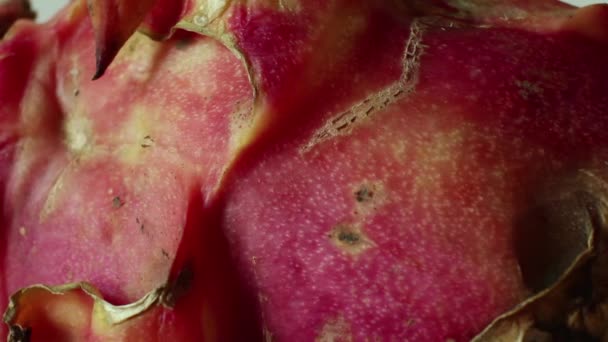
(343, 170)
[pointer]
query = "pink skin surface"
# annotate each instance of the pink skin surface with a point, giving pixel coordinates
(452, 175)
(98, 176)
(370, 190)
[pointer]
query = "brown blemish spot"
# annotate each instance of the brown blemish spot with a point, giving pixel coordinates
(364, 194)
(368, 197)
(148, 142)
(165, 253)
(350, 239)
(117, 202)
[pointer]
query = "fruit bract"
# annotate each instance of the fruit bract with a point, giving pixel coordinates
(303, 170)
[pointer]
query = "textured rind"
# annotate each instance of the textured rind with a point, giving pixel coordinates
(102, 188)
(330, 167)
(454, 175)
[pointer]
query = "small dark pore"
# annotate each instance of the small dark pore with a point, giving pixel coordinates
(117, 202)
(364, 194)
(165, 254)
(18, 333)
(140, 224)
(349, 237)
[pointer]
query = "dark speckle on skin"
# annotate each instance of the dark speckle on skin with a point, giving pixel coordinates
(117, 202)
(364, 194)
(140, 224)
(348, 237)
(148, 141)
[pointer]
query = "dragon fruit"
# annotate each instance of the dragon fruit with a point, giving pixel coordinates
(302, 170)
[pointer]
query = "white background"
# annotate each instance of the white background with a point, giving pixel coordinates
(46, 8)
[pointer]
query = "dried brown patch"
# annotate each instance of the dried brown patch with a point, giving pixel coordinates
(18, 333)
(569, 272)
(343, 123)
(365, 194)
(350, 239)
(335, 330)
(369, 193)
